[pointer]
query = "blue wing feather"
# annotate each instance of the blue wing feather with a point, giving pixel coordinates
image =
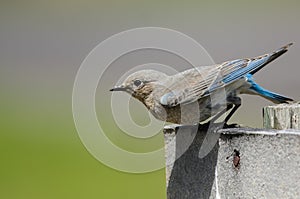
(248, 66)
(237, 69)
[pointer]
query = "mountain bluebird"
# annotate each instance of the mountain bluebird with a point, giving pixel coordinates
(188, 95)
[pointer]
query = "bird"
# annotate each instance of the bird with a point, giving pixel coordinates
(201, 93)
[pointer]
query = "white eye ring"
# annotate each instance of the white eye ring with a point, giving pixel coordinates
(137, 83)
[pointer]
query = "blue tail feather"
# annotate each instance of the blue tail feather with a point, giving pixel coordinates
(277, 98)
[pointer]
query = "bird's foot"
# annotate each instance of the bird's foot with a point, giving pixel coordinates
(215, 126)
(231, 126)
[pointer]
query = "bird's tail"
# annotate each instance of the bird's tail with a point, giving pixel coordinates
(269, 95)
(274, 97)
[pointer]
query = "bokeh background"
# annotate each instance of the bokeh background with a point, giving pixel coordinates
(42, 44)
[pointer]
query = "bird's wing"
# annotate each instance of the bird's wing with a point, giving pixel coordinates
(236, 69)
(190, 85)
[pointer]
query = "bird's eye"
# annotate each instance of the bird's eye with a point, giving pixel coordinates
(137, 82)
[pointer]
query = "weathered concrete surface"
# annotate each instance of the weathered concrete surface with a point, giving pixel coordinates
(282, 116)
(269, 165)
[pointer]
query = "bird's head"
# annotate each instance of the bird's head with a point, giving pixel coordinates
(141, 83)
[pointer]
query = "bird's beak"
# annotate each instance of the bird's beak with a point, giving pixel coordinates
(118, 88)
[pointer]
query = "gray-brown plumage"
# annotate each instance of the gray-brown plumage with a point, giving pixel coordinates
(197, 94)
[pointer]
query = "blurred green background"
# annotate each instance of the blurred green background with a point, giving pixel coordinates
(42, 44)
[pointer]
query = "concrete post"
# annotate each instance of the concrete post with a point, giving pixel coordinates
(282, 116)
(244, 163)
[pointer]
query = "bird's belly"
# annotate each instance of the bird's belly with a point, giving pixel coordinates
(194, 113)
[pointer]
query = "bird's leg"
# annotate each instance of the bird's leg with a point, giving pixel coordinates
(229, 106)
(237, 103)
(233, 103)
